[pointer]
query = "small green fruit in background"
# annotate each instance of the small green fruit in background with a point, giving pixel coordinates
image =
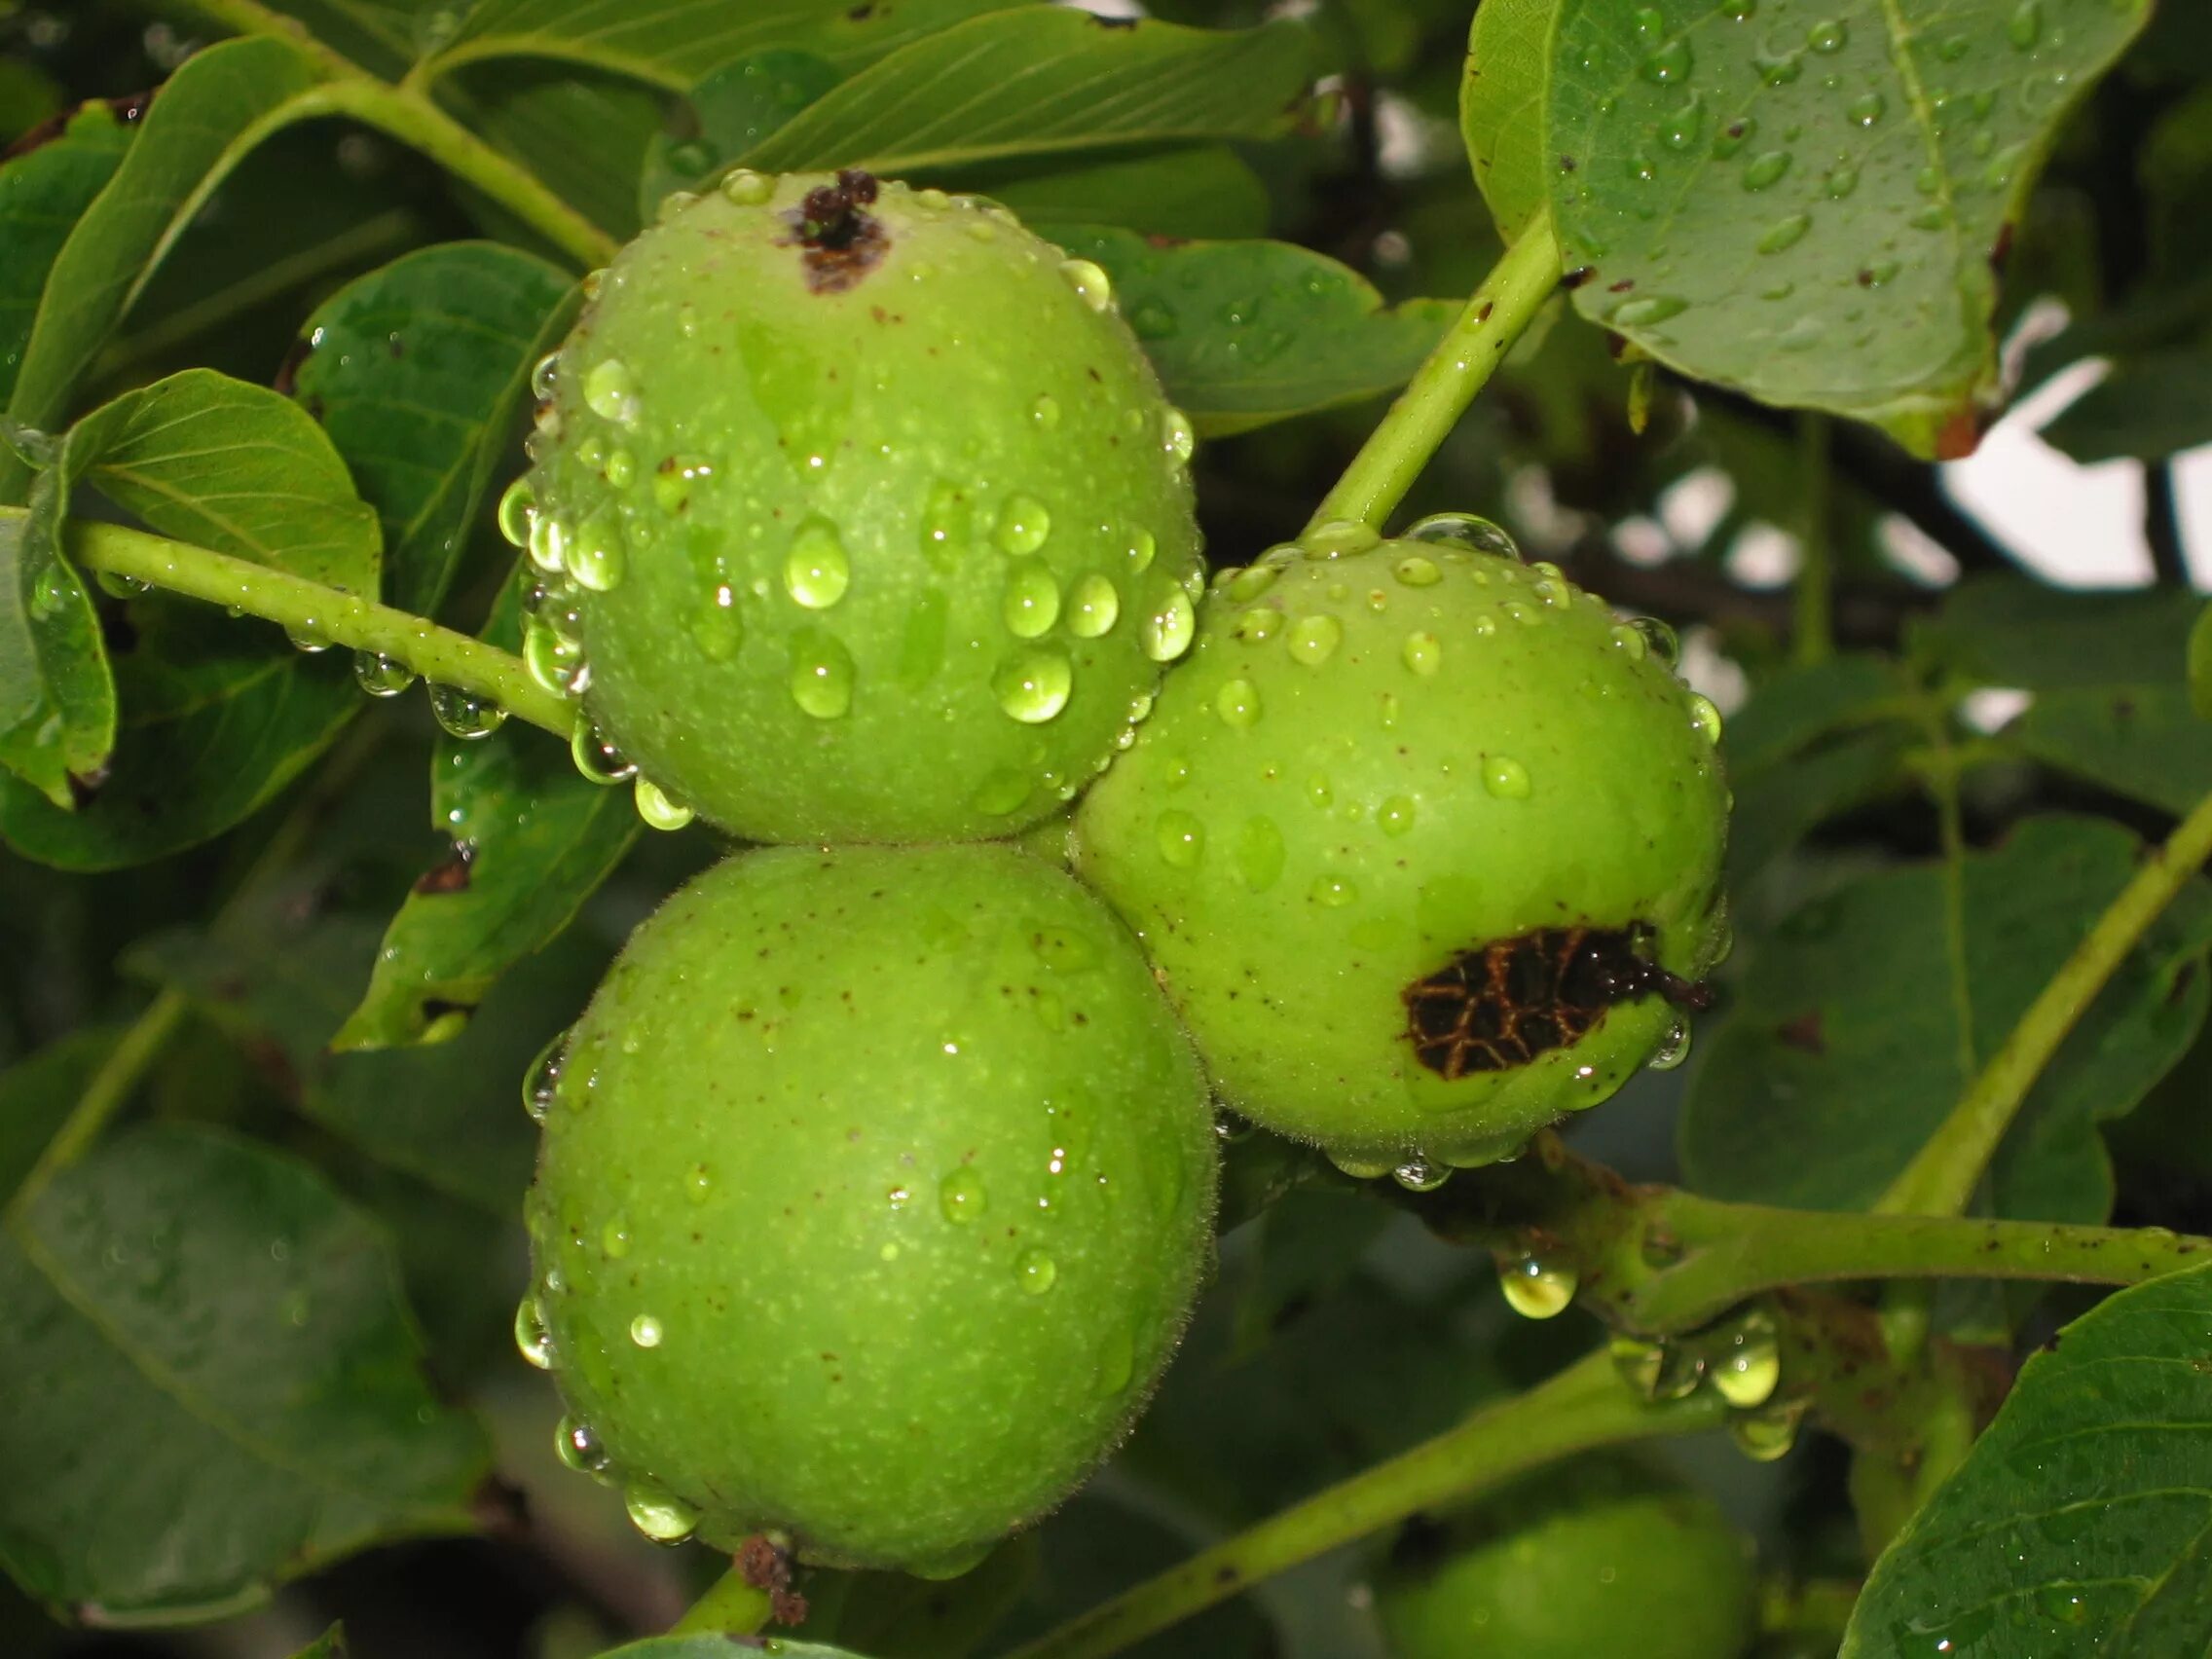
(1598, 1557)
(859, 513)
(874, 1188)
(1425, 844)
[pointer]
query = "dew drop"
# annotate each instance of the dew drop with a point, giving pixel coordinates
(1785, 234)
(698, 1183)
(1684, 130)
(1045, 412)
(1031, 602)
(1659, 638)
(1332, 891)
(533, 1340)
(1657, 1371)
(1766, 1435)
(518, 506)
(1033, 686)
(1828, 36)
(543, 1079)
(1176, 435)
(661, 1517)
(1673, 1050)
(622, 468)
(716, 629)
(1423, 653)
(1090, 281)
(1668, 65)
(1397, 815)
(960, 1196)
(549, 542)
(816, 570)
(1420, 1174)
(1238, 703)
(1704, 718)
(542, 375)
(464, 715)
(615, 1238)
(1181, 839)
(1023, 524)
(1036, 1272)
(1766, 168)
(645, 1331)
(1415, 571)
(578, 1448)
(1314, 639)
(1535, 1289)
(610, 391)
(1746, 1365)
(553, 661)
(822, 674)
(1868, 108)
(657, 811)
(1142, 547)
(1842, 180)
(1094, 606)
(595, 557)
(1169, 629)
(1465, 530)
(1628, 641)
(2024, 28)
(746, 188)
(1505, 777)
(944, 532)
(381, 676)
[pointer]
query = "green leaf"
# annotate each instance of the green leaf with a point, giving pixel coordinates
(28, 98)
(1044, 80)
(43, 193)
(217, 717)
(240, 468)
(1245, 333)
(330, 1644)
(37, 1094)
(1803, 705)
(726, 113)
(727, 1647)
(1844, 1044)
(2146, 409)
(584, 135)
(2107, 672)
(1203, 190)
(2077, 1526)
(2200, 665)
(676, 43)
(1779, 804)
(208, 1384)
(1502, 95)
(213, 111)
(415, 373)
(1806, 208)
(57, 700)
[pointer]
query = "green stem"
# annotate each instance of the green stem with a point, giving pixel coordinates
(437, 654)
(1583, 1406)
(731, 1606)
(1944, 1174)
(1733, 1251)
(1442, 387)
(250, 17)
(107, 1092)
(1814, 638)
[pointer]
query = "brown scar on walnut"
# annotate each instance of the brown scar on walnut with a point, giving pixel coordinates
(1500, 1005)
(841, 241)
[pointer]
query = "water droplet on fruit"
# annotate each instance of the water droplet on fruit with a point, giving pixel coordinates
(1093, 606)
(1238, 703)
(1338, 539)
(1866, 109)
(1465, 530)
(595, 558)
(816, 570)
(308, 640)
(645, 1331)
(822, 674)
(518, 505)
(1045, 412)
(1169, 629)
(381, 676)
(1181, 839)
(549, 542)
(1659, 638)
(542, 375)
(1766, 1435)
(1176, 434)
(1031, 602)
(464, 715)
(1505, 777)
(543, 1079)
(1746, 1366)
(661, 1517)
(1421, 1174)
(552, 660)
(1397, 815)
(746, 188)
(578, 1448)
(1250, 583)
(1314, 639)
(698, 1183)
(1360, 1167)
(610, 391)
(1092, 284)
(1669, 65)
(1258, 625)
(1423, 653)
(1036, 1272)
(1332, 891)
(2024, 28)
(1673, 1050)
(1033, 686)
(615, 1238)
(1704, 718)
(1260, 853)
(1416, 571)
(1828, 36)
(597, 760)
(960, 1196)
(622, 468)
(655, 808)
(533, 1340)
(1535, 1289)
(1657, 1371)
(1023, 524)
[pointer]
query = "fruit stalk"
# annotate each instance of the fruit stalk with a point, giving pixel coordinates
(1943, 1175)
(438, 654)
(1583, 1406)
(1430, 406)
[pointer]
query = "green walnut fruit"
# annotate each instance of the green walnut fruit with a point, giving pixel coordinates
(873, 1192)
(1424, 843)
(1601, 1556)
(858, 514)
